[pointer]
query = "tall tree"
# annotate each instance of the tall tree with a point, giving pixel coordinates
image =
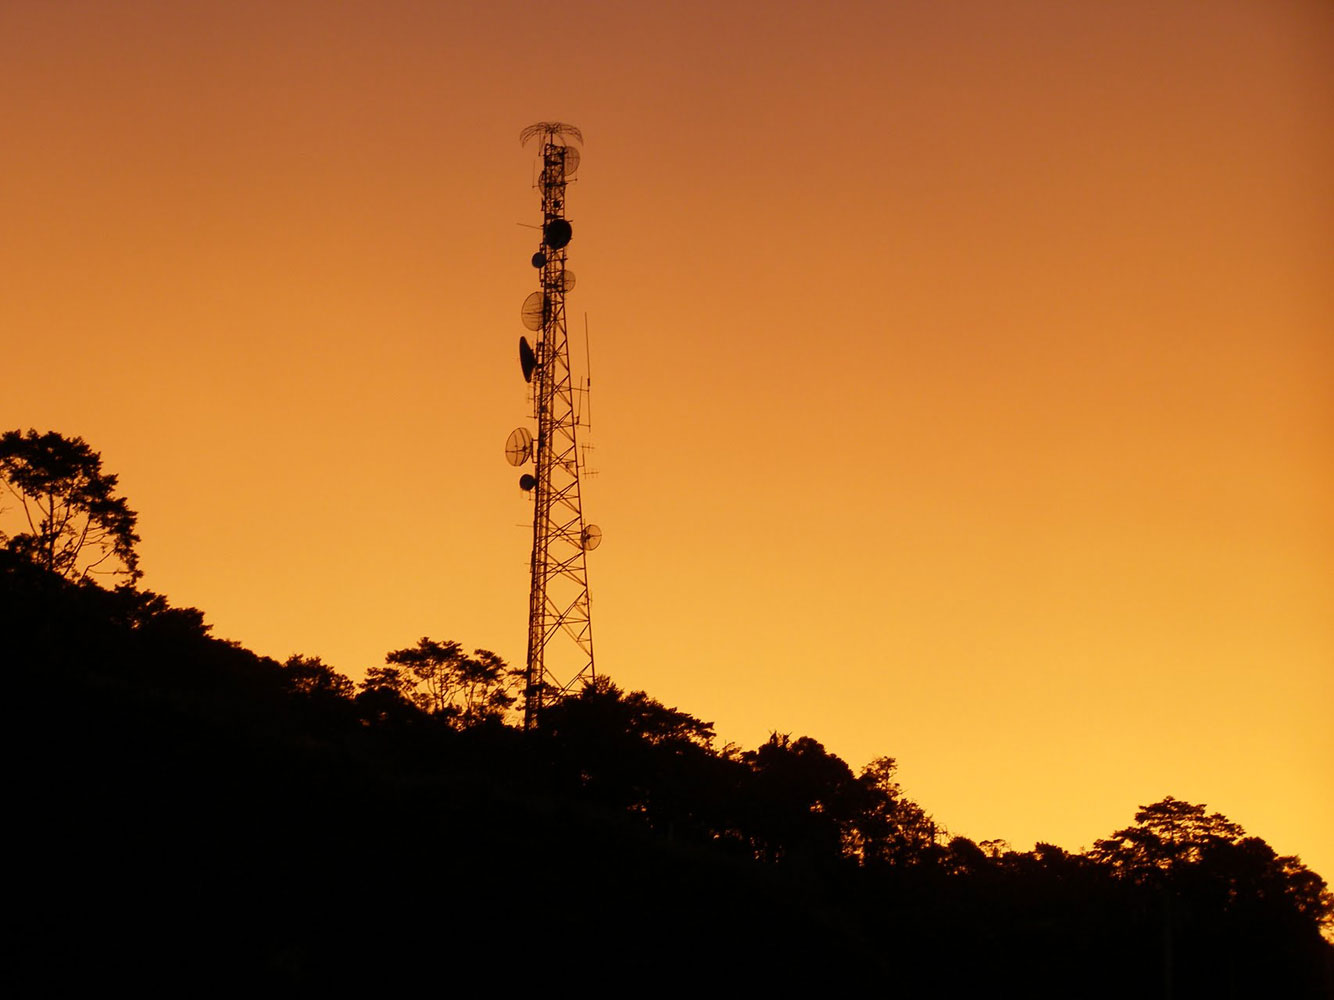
(439, 677)
(1167, 836)
(1215, 889)
(632, 752)
(311, 676)
(804, 800)
(64, 508)
(889, 827)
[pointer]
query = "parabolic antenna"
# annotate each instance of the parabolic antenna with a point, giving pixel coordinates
(564, 281)
(534, 311)
(526, 482)
(557, 234)
(527, 359)
(571, 160)
(539, 259)
(592, 537)
(519, 446)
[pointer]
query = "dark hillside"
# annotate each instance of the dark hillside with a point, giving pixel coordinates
(188, 813)
(183, 816)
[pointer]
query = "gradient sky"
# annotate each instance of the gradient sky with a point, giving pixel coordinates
(962, 370)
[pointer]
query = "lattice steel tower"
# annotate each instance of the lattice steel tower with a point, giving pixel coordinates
(558, 602)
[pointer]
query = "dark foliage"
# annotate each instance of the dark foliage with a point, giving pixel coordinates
(62, 509)
(188, 812)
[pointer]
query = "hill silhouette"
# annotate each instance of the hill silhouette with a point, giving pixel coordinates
(188, 812)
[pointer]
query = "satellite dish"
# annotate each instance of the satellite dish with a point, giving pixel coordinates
(592, 537)
(562, 162)
(563, 280)
(557, 234)
(534, 311)
(527, 359)
(571, 160)
(519, 446)
(526, 482)
(539, 259)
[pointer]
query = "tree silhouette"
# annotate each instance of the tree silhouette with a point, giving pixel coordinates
(632, 752)
(70, 520)
(438, 677)
(309, 675)
(1227, 909)
(805, 800)
(1166, 837)
(889, 828)
(602, 710)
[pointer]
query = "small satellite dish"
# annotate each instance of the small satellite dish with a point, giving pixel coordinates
(534, 311)
(557, 234)
(539, 259)
(571, 160)
(592, 537)
(526, 482)
(519, 446)
(561, 164)
(527, 359)
(562, 281)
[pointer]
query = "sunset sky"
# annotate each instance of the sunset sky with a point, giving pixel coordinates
(963, 372)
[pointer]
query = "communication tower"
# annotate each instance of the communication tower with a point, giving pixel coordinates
(560, 624)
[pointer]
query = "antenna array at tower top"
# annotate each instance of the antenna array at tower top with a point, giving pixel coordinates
(550, 130)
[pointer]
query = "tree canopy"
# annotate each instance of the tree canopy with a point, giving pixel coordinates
(1166, 837)
(63, 508)
(1180, 847)
(441, 679)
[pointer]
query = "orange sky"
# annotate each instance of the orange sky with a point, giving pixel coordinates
(962, 370)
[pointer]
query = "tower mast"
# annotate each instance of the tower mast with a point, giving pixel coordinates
(558, 600)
